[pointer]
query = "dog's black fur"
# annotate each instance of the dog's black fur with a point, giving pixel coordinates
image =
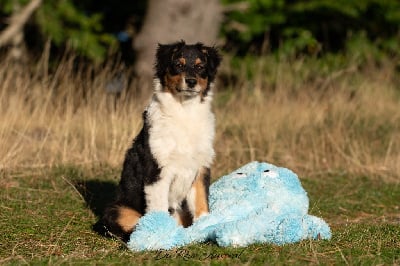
(140, 167)
(167, 55)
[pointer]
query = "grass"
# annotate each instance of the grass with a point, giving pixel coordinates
(335, 123)
(46, 217)
(305, 114)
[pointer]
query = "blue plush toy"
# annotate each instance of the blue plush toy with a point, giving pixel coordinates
(258, 203)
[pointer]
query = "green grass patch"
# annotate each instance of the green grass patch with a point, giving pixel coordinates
(46, 217)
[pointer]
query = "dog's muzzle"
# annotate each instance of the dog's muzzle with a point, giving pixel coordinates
(187, 91)
(189, 87)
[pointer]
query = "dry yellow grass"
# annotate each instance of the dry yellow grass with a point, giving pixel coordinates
(64, 118)
(288, 114)
(347, 120)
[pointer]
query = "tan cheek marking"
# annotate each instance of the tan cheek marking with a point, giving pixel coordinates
(172, 82)
(127, 218)
(203, 84)
(201, 201)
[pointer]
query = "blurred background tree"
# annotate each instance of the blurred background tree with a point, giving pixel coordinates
(91, 29)
(311, 26)
(172, 20)
(97, 29)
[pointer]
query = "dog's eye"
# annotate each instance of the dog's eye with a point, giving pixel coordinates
(178, 65)
(199, 67)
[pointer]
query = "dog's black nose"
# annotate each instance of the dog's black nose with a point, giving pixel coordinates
(191, 82)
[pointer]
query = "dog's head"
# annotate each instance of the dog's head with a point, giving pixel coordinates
(186, 70)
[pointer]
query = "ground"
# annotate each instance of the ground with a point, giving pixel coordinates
(47, 214)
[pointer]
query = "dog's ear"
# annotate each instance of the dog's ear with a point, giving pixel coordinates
(164, 56)
(213, 60)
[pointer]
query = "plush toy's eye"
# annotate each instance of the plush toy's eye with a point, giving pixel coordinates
(270, 173)
(240, 174)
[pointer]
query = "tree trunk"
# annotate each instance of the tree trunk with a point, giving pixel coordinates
(14, 33)
(174, 20)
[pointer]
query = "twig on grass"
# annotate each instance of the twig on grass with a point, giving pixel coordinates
(342, 255)
(74, 188)
(51, 251)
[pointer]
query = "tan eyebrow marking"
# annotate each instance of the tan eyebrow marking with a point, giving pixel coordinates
(197, 61)
(182, 61)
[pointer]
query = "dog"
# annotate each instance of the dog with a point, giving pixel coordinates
(168, 166)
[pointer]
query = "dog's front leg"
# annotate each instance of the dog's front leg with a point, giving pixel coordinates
(156, 194)
(197, 199)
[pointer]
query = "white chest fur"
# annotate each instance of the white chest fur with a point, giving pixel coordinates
(181, 141)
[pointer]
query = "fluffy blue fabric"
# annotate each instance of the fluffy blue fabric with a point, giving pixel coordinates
(257, 203)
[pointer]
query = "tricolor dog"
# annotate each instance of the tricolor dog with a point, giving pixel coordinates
(168, 166)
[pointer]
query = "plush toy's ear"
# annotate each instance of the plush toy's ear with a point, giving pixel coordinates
(164, 55)
(213, 60)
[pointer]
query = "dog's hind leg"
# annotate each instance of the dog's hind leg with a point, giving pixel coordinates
(119, 221)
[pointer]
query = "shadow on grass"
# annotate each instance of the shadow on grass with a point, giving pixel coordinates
(98, 194)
